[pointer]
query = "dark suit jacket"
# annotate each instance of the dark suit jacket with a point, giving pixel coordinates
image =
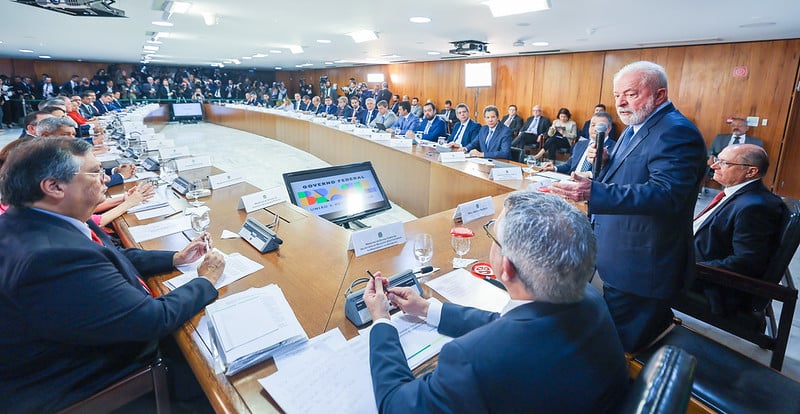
(525, 138)
(384, 95)
(574, 160)
(516, 123)
(405, 124)
(584, 132)
(450, 116)
(362, 118)
(75, 318)
(499, 146)
(469, 135)
(643, 206)
(101, 107)
(722, 140)
(539, 357)
(327, 110)
(742, 233)
(437, 129)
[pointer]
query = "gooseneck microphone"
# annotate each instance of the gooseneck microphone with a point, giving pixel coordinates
(601, 129)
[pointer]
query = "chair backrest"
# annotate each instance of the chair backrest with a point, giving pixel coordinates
(664, 384)
(517, 154)
(789, 240)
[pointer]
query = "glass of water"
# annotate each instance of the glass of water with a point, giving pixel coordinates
(531, 161)
(423, 248)
(201, 220)
(460, 245)
(197, 190)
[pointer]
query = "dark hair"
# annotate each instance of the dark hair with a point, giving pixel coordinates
(30, 119)
(601, 106)
(605, 115)
(382, 103)
(23, 170)
(405, 105)
(431, 104)
(448, 102)
(564, 111)
(513, 106)
(491, 108)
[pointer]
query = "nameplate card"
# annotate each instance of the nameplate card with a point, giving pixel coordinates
(507, 173)
(377, 238)
(455, 156)
(191, 163)
(176, 152)
(347, 127)
(262, 199)
(319, 120)
(157, 144)
(472, 210)
(332, 122)
(381, 136)
(224, 180)
(401, 143)
(363, 132)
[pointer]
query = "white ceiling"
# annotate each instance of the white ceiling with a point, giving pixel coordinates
(248, 27)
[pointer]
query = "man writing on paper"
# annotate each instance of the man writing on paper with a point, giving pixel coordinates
(554, 337)
(77, 316)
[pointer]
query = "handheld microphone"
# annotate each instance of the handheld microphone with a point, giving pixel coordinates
(601, 129)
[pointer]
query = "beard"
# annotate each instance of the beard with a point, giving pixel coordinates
(632, 117)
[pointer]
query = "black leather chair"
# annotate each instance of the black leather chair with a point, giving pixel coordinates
(151, 378)
(751, 325)
(664, 384)
(517, 154)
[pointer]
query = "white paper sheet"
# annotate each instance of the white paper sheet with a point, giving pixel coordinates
(460, 287)
(236, 267)
(160, 229)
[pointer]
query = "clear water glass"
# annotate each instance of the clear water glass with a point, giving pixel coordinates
(423, 248)
(460, 245)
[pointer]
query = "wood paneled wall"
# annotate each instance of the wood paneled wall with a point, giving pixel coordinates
(59, 70)
(702, 84)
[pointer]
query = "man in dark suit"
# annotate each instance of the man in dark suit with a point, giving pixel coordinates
(642, 204)
(328, 109)
(72, 86)
(328, 91)
(406, 121)
(306, 105)
(738, 135)
(47, 89)
(512, 120)
(493, 140)
(449, 115)
(395, 107)
(505, 363)
(584, 132)
(465, 130)
(582, 160)
(739, 231)
(370, 113)
(343, 110)
(534, 128)
(80, 317)
(384, 94)
(356, 110)
(430, 127)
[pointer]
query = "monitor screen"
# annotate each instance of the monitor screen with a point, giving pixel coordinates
(339, 194)
(193, 110)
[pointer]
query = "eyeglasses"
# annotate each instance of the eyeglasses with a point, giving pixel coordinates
(101, 174)
(724, 163)
(489, 233)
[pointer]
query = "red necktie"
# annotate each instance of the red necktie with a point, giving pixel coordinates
(714, 202)
(100, 242)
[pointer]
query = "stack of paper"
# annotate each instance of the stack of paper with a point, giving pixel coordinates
(249, 327)
(236, 267)
(460, 287)
(160, 229)
(159, 200)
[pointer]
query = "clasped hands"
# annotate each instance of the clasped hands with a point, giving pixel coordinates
(405, 298)
(212, 266)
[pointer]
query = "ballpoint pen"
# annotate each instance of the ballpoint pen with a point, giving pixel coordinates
(371, 275)
(208, 248)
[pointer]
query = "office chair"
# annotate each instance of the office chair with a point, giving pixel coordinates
(152, 377)
(664, 384)
(750, 326)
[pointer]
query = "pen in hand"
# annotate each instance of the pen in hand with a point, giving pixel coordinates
(371, 275)
(208, 247)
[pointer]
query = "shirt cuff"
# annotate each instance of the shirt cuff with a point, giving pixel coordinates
(434, 313)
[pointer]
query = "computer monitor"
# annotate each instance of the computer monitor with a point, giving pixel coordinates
(191, 111)
(340, 194)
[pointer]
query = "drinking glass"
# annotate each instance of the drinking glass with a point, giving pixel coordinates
(197, 189)
(460, 245)
(169, 171)
(423, 248)
(123, 143)
(201, 221)
(442, 141)
(531, 161)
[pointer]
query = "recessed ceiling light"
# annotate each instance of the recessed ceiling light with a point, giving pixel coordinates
(160, 35)
(278, 68)
(275, 51)
(420, 19)
(540, 44)
(360, 36)
(154, 42)
(162, 23)
(44, 57)
(26, 51)
(340, 61)
(325, 41)
(210, 19)
(500, 8)
(392, 56)
(179, 7)
(260, 55)
(329, 63)
(296, 49)
(247, 57)
(153, 48)
(434, 53)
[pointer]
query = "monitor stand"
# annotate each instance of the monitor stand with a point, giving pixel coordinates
(354, 225)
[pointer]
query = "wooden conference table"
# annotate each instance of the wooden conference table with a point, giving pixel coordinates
(313, 266)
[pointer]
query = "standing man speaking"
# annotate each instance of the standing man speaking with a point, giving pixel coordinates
(642, 204)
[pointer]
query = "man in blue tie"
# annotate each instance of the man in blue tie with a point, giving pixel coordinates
(465, 130)
(430, 127)
(534, 128)
(494, 138)
(385, 117)
(406, 121)
(370, 113)
(642, 204)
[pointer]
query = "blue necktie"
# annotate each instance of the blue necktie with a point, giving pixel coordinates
(623, 143)
(489, 137)
(585, 166)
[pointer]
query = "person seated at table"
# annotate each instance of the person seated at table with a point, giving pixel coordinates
(385, 117)
(555, 335)
(561, 135)
(328, 108)
(584, 132)
(80, 317)
(343, 110)
(465, 130)
(582, 157)
(493, 140)
(406, 121)
(512, 120)
(431, 126)
(739, 230)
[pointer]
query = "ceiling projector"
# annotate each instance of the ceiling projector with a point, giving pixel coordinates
(469, 48)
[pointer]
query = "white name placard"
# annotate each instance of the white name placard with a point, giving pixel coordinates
(509, 173)
(347, 127)
(176, 152)
(472, 210)
(377, 238)
(454, 156)
(401, 143)
(156, 144)
(381, 136)
(262, 199)
(224, 180)
(191, 163)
